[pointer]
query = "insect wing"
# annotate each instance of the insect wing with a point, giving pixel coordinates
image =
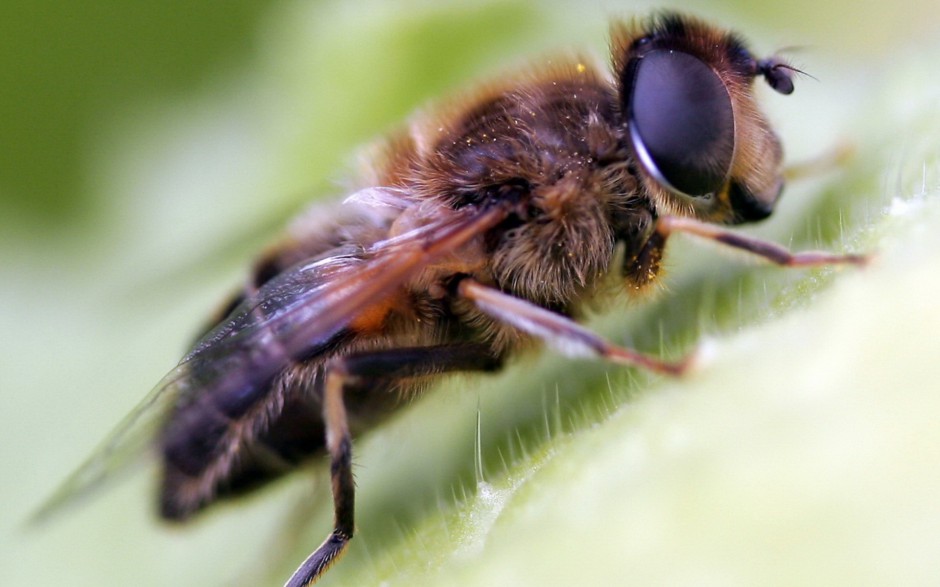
(219, 360)
(307, 306)
(295, 313)
(125, 446)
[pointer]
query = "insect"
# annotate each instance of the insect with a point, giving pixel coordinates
(479, 230)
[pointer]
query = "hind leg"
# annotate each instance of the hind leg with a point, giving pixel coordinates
(360, 369)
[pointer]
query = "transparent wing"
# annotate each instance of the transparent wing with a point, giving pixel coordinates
(291, 317)
(221, 359)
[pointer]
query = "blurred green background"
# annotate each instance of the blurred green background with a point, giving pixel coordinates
(146, 151)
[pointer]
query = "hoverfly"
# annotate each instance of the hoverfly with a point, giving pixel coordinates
(478, 230)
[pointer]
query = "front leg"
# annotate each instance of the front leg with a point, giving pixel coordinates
(361, 369)
(643, 267)
(573, 339)
(773, 252)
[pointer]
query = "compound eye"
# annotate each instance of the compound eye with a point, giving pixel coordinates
(681, 122)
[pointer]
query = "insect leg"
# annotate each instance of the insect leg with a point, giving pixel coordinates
(832, 158)
(773, 252)
(559, 331)
(361, 369)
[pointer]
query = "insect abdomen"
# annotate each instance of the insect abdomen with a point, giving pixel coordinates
(219, 443)
(207, 457)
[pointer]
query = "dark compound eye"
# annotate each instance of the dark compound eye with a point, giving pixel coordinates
(681, 122)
